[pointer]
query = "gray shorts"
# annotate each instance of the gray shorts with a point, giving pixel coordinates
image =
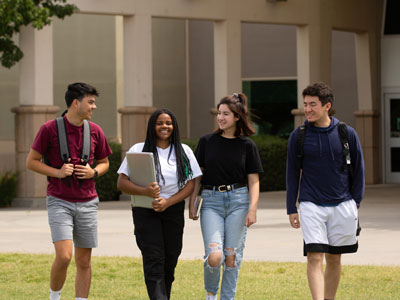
(75, 221)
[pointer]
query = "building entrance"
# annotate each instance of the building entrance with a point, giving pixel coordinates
(392, 138)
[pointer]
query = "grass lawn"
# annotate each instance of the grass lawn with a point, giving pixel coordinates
(26, 276)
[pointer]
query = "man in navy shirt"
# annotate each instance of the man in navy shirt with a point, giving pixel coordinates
(328, 198)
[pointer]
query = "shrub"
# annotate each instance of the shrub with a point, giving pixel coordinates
(8, 188)
(106, 185)
(272, 151)
(191, 143)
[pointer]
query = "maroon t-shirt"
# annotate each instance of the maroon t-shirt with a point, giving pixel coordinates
(46, 142)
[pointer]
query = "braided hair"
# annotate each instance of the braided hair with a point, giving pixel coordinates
(183, 168)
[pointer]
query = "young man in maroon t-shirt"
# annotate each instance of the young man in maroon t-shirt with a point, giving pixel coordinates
(72, 200)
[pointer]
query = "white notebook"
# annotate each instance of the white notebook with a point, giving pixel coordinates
(142, 172)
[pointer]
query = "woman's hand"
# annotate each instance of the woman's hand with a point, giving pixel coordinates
(192, 209)
(153, 190)
(251, 218)
(160, 204)
(254, 193)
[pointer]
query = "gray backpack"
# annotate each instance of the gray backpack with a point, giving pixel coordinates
(63, 143)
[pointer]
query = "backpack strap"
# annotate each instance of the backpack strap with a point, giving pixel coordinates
(85, 156)
(343, 134)
(86, 142)
(63, 143)
(300, 145)
(62, 139)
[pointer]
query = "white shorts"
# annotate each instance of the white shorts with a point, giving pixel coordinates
(329, 229)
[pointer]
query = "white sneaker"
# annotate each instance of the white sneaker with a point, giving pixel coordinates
(211, 297)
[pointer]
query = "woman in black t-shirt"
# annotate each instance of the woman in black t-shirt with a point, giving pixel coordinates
(230, 162)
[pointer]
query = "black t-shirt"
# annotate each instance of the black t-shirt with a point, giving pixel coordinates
(227, 161)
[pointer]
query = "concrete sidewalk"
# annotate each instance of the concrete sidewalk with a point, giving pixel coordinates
(270, 239)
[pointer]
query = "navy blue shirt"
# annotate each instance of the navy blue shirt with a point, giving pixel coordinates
(323, 180)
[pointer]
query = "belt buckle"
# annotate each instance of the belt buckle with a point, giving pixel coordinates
(225, 187)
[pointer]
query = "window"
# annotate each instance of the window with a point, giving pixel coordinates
(270, 103)
(392, 24)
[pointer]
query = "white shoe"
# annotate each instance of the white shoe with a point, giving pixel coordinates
(211, 297)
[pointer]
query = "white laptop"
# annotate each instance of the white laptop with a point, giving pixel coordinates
(142, 172)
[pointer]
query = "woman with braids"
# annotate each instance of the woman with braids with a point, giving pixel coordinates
(159, 230)
(230, 163)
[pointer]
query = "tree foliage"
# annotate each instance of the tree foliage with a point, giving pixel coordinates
(17, 13)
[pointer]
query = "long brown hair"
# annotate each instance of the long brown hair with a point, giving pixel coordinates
(237, 103)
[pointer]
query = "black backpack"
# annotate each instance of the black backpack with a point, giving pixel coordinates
(343, 134)
(63, 143)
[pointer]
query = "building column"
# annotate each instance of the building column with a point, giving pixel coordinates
(227, 59)
(138, 79)
(368, 131)
(119, 69)
(299, 116)
(36, 107)
(367, 118)
(313, 60)
(32, 186)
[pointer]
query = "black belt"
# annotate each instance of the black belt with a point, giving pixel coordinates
(224, 187)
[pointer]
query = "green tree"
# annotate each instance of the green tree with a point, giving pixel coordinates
(17, 13)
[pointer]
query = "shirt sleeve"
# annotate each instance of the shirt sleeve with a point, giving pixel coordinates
(199, 152)
(357, 162)
(102, 148)
(292, 174)
(193, 162)
(253, 160)
(41, 142)
(124, 168)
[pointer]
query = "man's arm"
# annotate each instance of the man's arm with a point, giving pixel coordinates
(357, 162)
(34, 163)
(292, 175)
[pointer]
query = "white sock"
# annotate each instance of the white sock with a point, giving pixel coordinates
(55, 295)
(77, 298)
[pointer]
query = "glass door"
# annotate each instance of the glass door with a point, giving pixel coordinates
(392, 138)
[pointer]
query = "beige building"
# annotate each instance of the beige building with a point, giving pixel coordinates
(186, 55)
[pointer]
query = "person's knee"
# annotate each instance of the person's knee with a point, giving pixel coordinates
(230, 258)
(63, 259)
(63, 252)
(83, 263)
(333, 260)
(83, 260)
(314, 258)
(215, 257)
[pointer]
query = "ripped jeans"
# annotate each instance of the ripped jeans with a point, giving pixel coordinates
(223, 217)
